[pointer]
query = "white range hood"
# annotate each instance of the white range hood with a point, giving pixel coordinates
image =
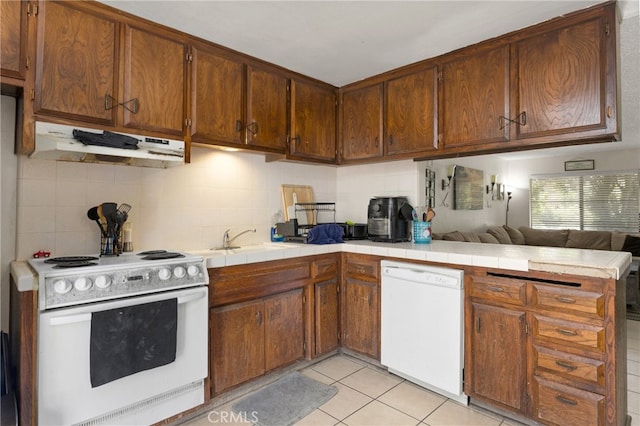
(56, 142)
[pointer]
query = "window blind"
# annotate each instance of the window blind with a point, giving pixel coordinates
(594, 201)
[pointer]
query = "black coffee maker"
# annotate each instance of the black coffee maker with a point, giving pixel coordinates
(388, 219)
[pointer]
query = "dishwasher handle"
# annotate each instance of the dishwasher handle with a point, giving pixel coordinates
(425, 276)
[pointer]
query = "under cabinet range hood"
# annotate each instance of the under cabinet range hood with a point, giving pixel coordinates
(72, 143)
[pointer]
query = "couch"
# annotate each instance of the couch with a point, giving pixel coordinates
(570, 238)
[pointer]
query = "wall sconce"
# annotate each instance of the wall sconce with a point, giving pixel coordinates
(496, 189)
(451, 170)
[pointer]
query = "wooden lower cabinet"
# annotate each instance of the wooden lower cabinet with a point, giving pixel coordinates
(326, 316)
(547, 347)
(498, 365)
(251, 338)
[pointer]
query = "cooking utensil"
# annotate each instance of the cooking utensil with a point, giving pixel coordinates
(430, 214)
(124, 208)
(92, 214)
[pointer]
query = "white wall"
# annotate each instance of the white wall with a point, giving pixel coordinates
(182, 208)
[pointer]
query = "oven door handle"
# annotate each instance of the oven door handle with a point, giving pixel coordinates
(191, 297)
(70, 319)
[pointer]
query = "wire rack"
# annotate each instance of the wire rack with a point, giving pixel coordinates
(322, 212)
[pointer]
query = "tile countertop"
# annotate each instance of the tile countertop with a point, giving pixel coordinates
(592, 263)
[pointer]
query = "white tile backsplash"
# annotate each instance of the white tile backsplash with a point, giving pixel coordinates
(185, 208)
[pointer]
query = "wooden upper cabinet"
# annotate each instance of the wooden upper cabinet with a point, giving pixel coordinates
(362, 123)
(475, 98)
(267, 106)
(154, 82)
(313, 122)
(411, 113)
(76, 63)
(13, 33)
(217, 93)
(565, 81)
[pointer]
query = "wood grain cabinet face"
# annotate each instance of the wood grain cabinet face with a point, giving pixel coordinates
(154, 76)
(251, 338)
(362, 124)
(267, 103)
(326, 316)
(77, 63)
(13, 33)
(361, 324)
(313, 122)
(410, 118)
(560, 77)
(217, 91)
(475, 95)
(498, 365)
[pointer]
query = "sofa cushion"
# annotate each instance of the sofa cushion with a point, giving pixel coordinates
(596, 240)
(471, 237)
(486, 237)
(544, 237)
(515, 235)
(617, 240)
(632, 245)
(500, 234)
(453, 236)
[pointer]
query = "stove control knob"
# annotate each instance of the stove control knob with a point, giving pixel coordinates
(164, 274)
(62, 286)
(82, 284)
(102, 281)
(193, 270)
(179, 272)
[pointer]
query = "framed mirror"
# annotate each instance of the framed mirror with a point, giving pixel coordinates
(468, 189)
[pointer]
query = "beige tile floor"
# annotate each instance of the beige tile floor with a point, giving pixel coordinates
(370, 396)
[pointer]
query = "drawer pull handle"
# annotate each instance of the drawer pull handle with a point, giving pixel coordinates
(565, 299)
(496, 289)
(566, 332)
(566, 400)
(566, 365)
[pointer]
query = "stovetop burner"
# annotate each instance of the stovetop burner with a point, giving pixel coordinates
(78, 264)
(148, 252)
(162, 255)
(71, 260)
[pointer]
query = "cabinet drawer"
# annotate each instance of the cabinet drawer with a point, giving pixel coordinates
(570, 366)
(586, 335)
(324, 267)
(363, 267)
(501, 290)
(570, 300)
(563, 405)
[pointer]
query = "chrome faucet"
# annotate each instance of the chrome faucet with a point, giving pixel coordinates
(226, 241)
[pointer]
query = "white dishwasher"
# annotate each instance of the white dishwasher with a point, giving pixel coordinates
(422, 326)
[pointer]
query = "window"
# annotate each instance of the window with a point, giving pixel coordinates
(587, 201)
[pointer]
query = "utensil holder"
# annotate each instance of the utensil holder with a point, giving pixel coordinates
(110, 246)
(421, 232)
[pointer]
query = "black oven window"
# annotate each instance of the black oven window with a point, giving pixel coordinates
(131, 339)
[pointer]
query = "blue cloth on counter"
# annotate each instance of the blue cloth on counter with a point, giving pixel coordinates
(325, 234)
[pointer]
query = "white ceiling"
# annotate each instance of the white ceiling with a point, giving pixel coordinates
(340, 42)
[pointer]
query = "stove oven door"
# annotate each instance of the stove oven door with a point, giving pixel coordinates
(66, 394)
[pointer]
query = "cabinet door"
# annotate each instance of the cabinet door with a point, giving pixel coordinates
(361, 321)
(154, 82)
(76, 63)
(13, 33)
(267, 103)
(237, 344)
(326, 315)
(475, 95)
(313, 122)
(560, 79)
(411, 113)
(498, 355)
(217, 107)
(284, 329)
(362, 123)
